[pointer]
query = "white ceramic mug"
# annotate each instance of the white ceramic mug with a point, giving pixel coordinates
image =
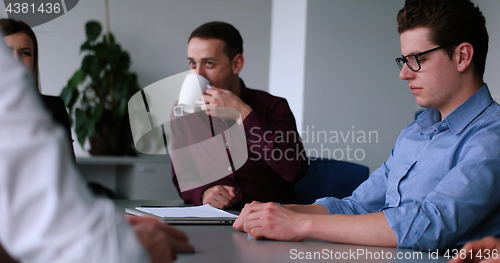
(192, 88)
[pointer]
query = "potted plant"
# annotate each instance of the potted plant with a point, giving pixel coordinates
(98, 93)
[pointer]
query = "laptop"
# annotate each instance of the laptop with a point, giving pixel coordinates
(194, 215)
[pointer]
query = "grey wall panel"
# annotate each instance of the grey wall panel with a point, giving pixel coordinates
(351, 81)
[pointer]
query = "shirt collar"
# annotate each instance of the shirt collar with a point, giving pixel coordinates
(427, 120)
(244, 92)
(461, 116)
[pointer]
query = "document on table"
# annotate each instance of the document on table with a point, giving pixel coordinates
(204, 211)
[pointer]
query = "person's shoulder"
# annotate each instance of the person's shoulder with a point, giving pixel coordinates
(259, 95)
(423, 122)
(481, 135)
(410, 131)
(485, 108)
(53, 102)
(492, 112)
(49, 98)
(488, 119)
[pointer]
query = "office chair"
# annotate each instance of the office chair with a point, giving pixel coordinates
(326, 177)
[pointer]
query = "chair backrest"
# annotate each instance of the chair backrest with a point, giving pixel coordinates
(326, 177)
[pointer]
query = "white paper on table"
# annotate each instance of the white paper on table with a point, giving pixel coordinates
(204, 211)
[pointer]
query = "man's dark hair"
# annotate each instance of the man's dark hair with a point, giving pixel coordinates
(223, 31)
(450, 22)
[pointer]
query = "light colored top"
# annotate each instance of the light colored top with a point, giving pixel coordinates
(46, 212)
(441, 184)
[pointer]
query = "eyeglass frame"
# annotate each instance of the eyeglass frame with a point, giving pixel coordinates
(405, 60)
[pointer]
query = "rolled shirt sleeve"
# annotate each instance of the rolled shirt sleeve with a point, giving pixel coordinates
(369, 197)
(460, 202)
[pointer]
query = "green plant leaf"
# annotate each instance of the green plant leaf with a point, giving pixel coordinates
(95, 69)
(65, 95)
(104, 68)
(80, 126)
(96, 112)
(85, 46)
(114, 53)
(122, 108)
(104, 84)
(91, 128)
(87, 62)
(69, 96)
(118, 88)
(101, 51)
(93, 115)
(77, 78)
(124, 61)
(111, 38)
(134, 85)
(93, 30)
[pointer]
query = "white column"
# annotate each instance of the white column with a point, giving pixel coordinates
(287, 58)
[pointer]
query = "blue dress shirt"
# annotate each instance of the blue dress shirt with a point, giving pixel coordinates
(440, 186)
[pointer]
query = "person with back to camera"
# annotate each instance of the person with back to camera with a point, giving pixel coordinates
(47, 215)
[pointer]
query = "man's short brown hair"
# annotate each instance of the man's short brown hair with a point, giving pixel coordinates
(450, 22)
(223, 31)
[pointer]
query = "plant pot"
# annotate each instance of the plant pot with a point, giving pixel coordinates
(99, 145)
(100, 142)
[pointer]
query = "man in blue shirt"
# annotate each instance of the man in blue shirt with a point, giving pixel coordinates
(439, 187)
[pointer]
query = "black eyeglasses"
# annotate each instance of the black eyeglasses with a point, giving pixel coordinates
(412, 60)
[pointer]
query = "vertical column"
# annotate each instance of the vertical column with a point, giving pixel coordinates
(287, 55)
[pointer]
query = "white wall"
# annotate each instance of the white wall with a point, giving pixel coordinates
(341, 89)
(490, 9)
(155, 33)
(288, 48)
(352, 83)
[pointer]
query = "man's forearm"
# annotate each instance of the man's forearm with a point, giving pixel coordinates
(308, 209)
(368, 229)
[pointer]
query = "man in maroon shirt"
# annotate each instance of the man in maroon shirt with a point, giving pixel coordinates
(276, 157)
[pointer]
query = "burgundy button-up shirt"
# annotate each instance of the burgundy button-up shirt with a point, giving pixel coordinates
(276, 156)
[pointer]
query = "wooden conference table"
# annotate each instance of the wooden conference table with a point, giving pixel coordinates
(221, 243)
